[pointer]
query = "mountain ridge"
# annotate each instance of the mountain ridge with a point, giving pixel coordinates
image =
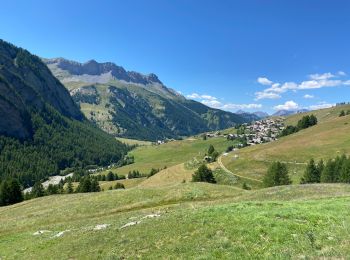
(134, 105)
(92, 67)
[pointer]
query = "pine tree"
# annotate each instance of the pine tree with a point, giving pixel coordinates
(95, 187)
(312, 120)
(311, 175)
(339, 161)
(327, 174)
(37, 190)
(52, 189)
(277, 174)
(84, 185)
(211, 149)
(345, 171)
(70, 186)
(320, 167)
(110, 176)
(203, 174)
(10, 192)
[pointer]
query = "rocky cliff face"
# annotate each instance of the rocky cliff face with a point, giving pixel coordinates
(107, 71)
(26, 84)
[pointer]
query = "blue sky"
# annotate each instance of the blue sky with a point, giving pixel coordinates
(250, 55)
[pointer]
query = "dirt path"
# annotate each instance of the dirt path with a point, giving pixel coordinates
(228, 171)
(286, 162)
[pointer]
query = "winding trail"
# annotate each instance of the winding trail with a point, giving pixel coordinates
(228, 171)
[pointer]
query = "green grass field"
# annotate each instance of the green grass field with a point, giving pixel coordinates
(170, 154)
(202, 221)
(133, 141)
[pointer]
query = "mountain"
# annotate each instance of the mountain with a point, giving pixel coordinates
(289, 112)
(283, 113)
(252, 116)
(134, 105)
(95, 72)
(261, 114)
(42, 130)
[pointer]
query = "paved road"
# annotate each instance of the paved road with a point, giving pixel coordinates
(228, 171)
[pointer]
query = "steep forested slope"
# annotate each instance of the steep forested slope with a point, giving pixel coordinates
(42, 130)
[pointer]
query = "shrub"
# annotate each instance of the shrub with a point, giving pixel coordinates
(119, 186)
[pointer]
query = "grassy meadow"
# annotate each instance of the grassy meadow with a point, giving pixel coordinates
(171, 154)
(195, 220)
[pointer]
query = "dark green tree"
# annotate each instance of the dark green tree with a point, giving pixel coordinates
(70, 188)
(152, 172)
(277, 174)
(311, 174)
(328, 173)
(84, 185)
(10, 192)
(37, 190)
(312, 120)
(203, 174)
(338, 165)
(342, 113)
(110, 176)
(52, 189)
(95, 187)
(320, 168)
(119, 185)
(345, 172)
(211, 149)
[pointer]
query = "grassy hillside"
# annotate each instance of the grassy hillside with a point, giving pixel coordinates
(321, 114)
(326, 140)
(181, 221)
(169, 176)
(133, 141)
(172, 153)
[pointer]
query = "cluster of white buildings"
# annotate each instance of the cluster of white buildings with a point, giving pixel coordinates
(262, 131)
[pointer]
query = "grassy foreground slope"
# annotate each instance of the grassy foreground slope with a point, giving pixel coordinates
(182, 221)
(326, 140)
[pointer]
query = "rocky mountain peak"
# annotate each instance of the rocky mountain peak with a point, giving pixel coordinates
(94, 68)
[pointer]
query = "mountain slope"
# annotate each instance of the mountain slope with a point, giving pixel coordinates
(42, 131)
(326, 140)
(133, 105)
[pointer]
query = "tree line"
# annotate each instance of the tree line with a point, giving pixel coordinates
(333, 171)
(58, 143)
(305, 122)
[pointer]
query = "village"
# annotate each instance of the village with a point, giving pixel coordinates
(258, 132)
